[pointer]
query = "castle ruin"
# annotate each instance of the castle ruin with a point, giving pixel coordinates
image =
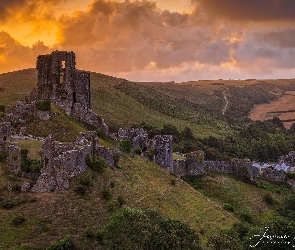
(60, 82)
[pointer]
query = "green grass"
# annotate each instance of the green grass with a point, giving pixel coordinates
(243, 197)
(138, 181)
(33, 146)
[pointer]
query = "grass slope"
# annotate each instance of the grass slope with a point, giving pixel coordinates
(141, 183)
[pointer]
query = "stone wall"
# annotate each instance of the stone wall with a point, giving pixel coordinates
(5, 136)
(13, 161)
(64, 85)
(64, 161)
(163, 151)
(137, 136)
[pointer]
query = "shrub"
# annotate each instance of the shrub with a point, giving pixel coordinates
(228, 207)
(106, 193)
(31, 165)
(125, 146)
(18, 220)
(63, 244)
(120, 201)
(100, 133)
(95, 233)
(2, 157)
(137, 151)
(246, 217)
(116, 159)
(96, 163)
(151, 153)
(43, 105)
(290, 175)
(133, 228)
(173, 182)
(2, 108)
(9, 203)
(267, 198)
(223, 241)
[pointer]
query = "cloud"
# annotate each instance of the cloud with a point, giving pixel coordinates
(281, 39)
(252, 10)
(29, 10)
(14, 56)
(130, 35)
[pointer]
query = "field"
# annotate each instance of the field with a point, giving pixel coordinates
(284, 108)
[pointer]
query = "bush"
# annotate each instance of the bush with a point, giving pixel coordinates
(116, 159)
(125, 146)
(18, 220)
(43, 105)
(228, 207)
(9, 203)
(267, 198)
(120, 201)
(2, 157)
(137, 151)
(96, 163)
(100, 133)
(2, 108)
(151, 153)
(133, 228)
(223, 241)
(64, 244)
(1, 116)
(106, 193)
(31, 165)
(85, 182)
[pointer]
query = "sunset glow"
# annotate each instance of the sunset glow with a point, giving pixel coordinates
(154, 40)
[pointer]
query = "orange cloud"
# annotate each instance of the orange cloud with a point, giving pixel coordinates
(14, 56)
(140, 40)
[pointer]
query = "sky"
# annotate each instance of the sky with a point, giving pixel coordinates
(161, 40)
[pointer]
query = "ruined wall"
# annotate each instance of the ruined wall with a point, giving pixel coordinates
(163, 151)
(13, 161)
(60, 162)
(137, 136)
(5, 135)
(64, 85)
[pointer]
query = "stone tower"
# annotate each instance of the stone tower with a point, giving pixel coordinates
(61, 83)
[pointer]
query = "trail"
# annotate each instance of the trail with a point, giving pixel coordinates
(226, 103)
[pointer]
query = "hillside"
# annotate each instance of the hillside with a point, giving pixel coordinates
(198, 105)
(210, 204)
(140, 183)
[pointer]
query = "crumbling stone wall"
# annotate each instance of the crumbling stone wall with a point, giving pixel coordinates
(163, 151)
(13, 161)
(60, 162)
(5, 135)
(137, 136)
(288, 159)
(274, 175)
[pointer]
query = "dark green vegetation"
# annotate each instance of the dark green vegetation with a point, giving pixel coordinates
(43, 105)
(219, 212)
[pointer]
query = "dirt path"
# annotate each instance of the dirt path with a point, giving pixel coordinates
(226, 103)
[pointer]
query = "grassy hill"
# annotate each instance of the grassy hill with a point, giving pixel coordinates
(140, 183)
(208, 204)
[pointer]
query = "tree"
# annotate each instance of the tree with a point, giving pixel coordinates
(133, 228)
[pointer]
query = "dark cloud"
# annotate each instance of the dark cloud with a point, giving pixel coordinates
(255, 10)
(281, 39)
